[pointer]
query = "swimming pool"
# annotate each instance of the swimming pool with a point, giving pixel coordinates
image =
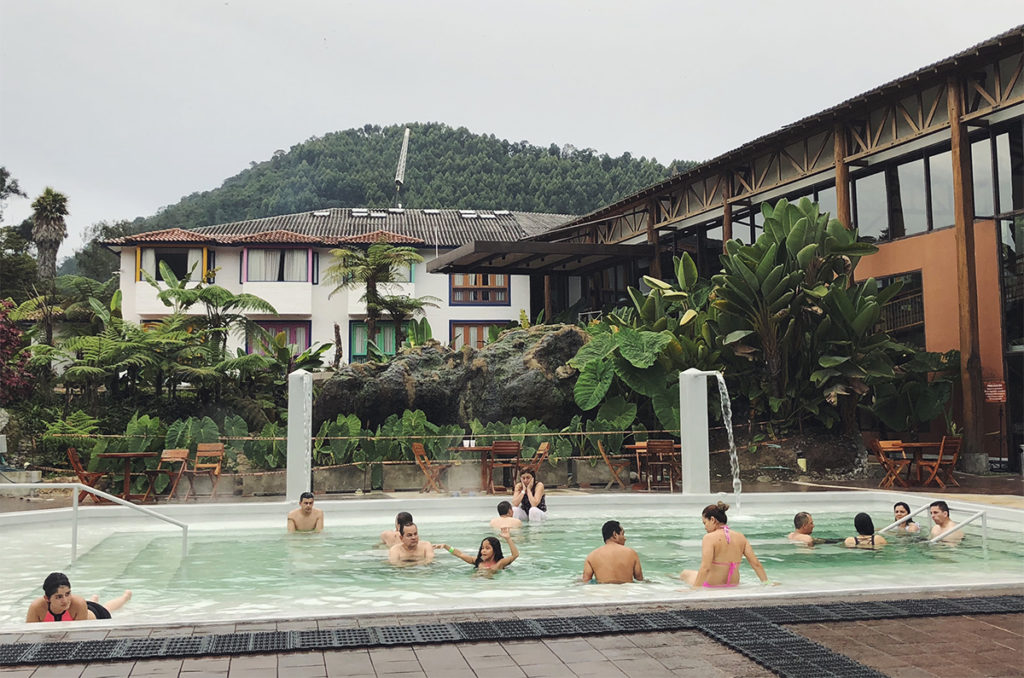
(243, 565)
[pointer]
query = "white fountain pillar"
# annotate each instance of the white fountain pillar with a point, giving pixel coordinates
(300, 433)
(693, 431)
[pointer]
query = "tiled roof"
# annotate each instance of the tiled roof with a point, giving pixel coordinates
(444, 228)
(379, 236)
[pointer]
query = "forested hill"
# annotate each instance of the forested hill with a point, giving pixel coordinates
(446, 168)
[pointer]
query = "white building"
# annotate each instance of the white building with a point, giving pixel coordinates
(284, 260)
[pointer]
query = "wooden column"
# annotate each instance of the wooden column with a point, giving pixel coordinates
(547, 300)
(652, 238)
(726, 210)
(966, 274)
(843, 212)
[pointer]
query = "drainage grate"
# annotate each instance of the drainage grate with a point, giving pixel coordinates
(514, 629)
(98, 649)
(355, 637)
(229, 643)
(271, 641)
(138, 648)
(308, 640)
(183, 646)
(11, 654)
(478, 630)
(52, 652)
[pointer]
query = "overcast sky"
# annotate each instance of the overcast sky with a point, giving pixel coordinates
(125, 106)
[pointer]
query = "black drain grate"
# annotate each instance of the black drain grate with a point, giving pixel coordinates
(752, 631)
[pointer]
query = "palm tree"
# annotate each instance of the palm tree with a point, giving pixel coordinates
(374, 267)
(49, 230)
(402, 309)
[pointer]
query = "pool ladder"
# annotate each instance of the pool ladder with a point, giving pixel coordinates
(79, 487)
(974, 516)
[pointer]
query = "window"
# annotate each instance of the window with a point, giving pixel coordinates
(296, 332)
(479, 289)
(473, 334)
(903, 316)
(402, 274)
(267, 265)
(357, 339)
(181, 260)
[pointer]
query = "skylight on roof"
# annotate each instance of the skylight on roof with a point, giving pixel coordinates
(483, 215)
(502, 212)
(431, 211)
(396, 210)
(322, 213)
(378, 215)
(467, 214)
(360, 212)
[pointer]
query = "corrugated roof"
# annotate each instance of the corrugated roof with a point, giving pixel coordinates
(378, 236)
(444, 228)
(935, 70)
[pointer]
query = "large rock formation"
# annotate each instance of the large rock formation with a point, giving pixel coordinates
(522, 374)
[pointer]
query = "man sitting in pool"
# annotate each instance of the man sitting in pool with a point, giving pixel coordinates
(613, 563)
(392, 537)
(804, 524)
(505, 521)
(57, 603)
(306, 518)
(411, 551)
(939, 511)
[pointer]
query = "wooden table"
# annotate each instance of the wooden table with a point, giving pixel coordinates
(485, 463)
(643, 472)
(917, 449)
(128, 458)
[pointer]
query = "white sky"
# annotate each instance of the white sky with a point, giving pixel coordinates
(128, 105)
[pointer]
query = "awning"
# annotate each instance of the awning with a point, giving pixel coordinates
(527, 257)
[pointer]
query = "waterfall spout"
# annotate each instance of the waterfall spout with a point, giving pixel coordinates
(693, 432)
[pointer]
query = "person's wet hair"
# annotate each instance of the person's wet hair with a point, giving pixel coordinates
(610, 529)
(716, 511)
(865, 526)
(403, 518)
(495, 545)
(305, 495)
(801, 519)
(941, 505)
(402, 526)
(54, 581)
(906, 507)
(504, 507)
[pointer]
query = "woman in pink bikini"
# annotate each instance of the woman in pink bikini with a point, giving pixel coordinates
(721, 551)
(489, 556)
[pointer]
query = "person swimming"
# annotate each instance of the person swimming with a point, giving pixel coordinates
(866, 537)
(489, 556)
(901, 509)
(721, 552)
(58, 604)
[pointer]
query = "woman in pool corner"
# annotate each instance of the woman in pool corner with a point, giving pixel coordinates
(528, 501)
(900, 509)
(57, 604)
(721, 551)
(866, 537)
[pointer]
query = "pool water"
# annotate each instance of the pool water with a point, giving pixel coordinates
(250, 569)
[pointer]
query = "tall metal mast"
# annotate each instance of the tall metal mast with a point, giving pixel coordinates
(400, 172)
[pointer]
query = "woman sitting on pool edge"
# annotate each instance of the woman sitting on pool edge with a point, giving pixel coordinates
(57, 603)
(720, 553)
(489, 556)
(866, 537)
(528, 499)
(900, 509)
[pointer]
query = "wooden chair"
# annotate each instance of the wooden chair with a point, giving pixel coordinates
(533, 464)
(616, 466)
(504, 455)
(886, 451)
(88, 478)
(431, 470)
(662, 464)
(942, 468)
(209, 457)
(166, 466)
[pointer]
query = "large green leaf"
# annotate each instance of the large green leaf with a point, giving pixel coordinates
(618, 412)
(593, 383)
(641, 348)
(598, 348)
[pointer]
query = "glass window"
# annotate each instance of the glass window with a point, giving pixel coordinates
(386, 340)
(871, 207)
(912, 197)
(402, 274)
(940, 169)
(479, 289)
(181, 260)
(827, 200)
(296, 333)
(981, 169)
(903, 316)
(472, 334)
(1005, 166)
(269, 265)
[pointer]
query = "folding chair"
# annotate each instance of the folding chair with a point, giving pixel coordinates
(892, 465)
(504, 455)
(88, 478)
(431, 470)
(662, 464)
(533, 464)
(942, 468)
(168, 458)
(616, 466)
(208, 463)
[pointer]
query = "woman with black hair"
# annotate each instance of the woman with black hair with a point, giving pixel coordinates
(721, 551)
(901, 509)
(57, 604)
(866, 537)
(489, 555)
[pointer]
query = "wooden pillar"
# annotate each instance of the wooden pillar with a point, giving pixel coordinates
(966, 274)
(547, 300)
(652, 238)
(843, 211)
(726, 210)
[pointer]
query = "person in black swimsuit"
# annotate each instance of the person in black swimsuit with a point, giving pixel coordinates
(866, 537)
(58, 604)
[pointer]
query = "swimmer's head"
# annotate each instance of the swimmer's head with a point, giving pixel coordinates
(490, 549)
(900, 509)
(403, 518)
(864, 524)
(716, 511)
(53, 582)
(801, 519)
(610, 529)
(504, 508)
(306, 501)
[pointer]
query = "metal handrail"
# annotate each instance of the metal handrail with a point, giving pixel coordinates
(79, 487)
(905, 518)
(971, 518)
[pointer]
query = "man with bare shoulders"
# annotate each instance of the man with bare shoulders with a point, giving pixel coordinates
(613, 563)
(391, 537)
(306, 518)
(411, 551)
(505, 521)
(804, 524)
(939, 511)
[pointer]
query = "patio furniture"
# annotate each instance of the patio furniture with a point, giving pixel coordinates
(504, 455)
(616, 467)
(128, 459)
(209, 457)
(431, 471)
(886, 451)
(942, 468)
(88, 478)
(166, 466)
(663, 465)
(533, 464)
